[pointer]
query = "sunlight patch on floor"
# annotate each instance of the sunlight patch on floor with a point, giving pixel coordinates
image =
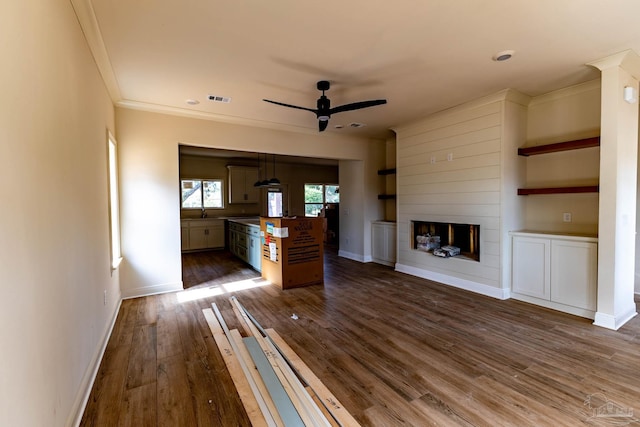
(216, 290)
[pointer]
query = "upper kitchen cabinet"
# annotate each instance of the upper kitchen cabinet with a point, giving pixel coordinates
(241, 180)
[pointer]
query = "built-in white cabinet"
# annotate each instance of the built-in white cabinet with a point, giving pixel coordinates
(556, 271)
(199, 234)
(383, 242)
(244, 242)
(241, 184)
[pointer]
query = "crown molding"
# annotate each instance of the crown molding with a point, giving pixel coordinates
(91, 29)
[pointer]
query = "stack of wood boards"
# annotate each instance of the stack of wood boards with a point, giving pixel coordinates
(276, 387)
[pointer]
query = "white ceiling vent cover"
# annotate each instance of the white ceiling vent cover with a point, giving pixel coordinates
(356, 125)
(223, 99)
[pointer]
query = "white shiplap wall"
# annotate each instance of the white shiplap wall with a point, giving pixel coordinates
(465, 189)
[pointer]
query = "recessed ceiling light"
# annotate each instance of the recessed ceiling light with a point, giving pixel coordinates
(338, 126)
(192, 101)
(503, 56)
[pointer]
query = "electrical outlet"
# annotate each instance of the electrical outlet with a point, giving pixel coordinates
(433, 160)
(104, 300)
(566, 217)
(450, 156)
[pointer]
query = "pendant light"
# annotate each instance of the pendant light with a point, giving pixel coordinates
(274, 182)
(265, 181)
(258, 183)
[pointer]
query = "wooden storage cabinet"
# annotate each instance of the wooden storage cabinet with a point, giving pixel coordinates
(556, 271)
(383, 242)
(244, 242)
(199, 234)
(241, 181)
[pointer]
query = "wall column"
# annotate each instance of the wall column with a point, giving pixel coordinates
(617, 204)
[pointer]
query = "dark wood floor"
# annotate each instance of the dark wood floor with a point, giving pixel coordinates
(395, 349)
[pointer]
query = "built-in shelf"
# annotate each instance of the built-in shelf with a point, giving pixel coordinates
(554, 148)
(558, 190)
(386, 196)
(559, 146)
(387, 171)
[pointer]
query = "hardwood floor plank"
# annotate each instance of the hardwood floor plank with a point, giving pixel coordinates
(394, 349)
(168, 335)
(174, 404)
(139, 407)
(142, 359)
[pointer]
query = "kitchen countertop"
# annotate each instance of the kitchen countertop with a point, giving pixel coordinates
(255, 221)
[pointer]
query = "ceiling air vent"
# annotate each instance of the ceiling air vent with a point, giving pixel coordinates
(223, 99)
(356, 125)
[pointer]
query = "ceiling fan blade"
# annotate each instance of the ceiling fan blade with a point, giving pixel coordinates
(358, 105)
(289, 105)
(322, 124)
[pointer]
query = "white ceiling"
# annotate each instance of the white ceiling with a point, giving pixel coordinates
(423, 56)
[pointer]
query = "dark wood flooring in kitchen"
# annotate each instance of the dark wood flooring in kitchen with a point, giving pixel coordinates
(395, 349)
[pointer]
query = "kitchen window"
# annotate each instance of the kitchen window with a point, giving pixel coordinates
(274, 202)
(202, 193)
(317, 195)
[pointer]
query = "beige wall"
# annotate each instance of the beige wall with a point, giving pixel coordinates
(564, 115)
(150, 199)
(54, 228)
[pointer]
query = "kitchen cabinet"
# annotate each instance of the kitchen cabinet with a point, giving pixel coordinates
(244, 242)
(200, 234)
(241, 184)
(383, 242)
(556, 271)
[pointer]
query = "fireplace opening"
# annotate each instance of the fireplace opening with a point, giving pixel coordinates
(445, 239)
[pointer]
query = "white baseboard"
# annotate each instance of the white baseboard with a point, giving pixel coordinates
(613, 322)
(152, 290)
(456, 282)
(84, 391)
(352, 256)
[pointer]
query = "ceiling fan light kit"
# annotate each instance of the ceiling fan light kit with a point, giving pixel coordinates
(324, 111)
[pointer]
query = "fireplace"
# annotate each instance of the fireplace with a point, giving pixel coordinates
(437, 237)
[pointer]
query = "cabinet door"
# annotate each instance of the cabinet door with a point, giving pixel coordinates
(233, 238)
(390, 233)
(255, 258)
(215, 239)
(198, 237)
(574, 274)
(378, 249)
(250, 178)
(531, 269)
(383, 243)
(184, 238)
(241, 189)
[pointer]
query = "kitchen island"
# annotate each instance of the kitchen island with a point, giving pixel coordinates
(244, 240)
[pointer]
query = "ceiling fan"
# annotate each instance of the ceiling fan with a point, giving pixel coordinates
(324, 110)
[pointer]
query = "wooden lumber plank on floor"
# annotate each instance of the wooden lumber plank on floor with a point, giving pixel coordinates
(255, 410)
(337, 410)
(279, 395)
(305, 405)
(234, 335)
